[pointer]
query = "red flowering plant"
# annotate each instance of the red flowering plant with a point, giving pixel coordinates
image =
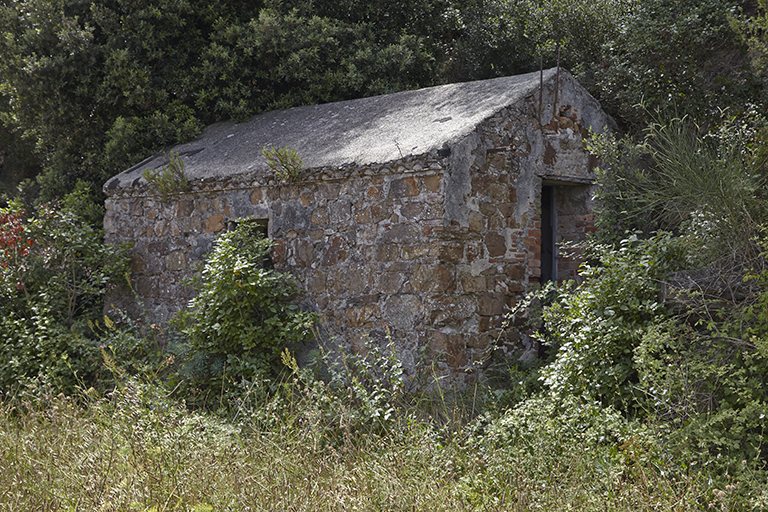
(54, 272)
(15, 246)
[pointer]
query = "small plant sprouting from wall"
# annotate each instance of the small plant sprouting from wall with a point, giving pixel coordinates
(170, 178)
(285, 162)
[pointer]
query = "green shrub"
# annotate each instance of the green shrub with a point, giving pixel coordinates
(597, 326)
(353, 392)
(703, 375)
(710, 187)
(244, 315)
(170, 178)
(54, 271)
(284, 162)
(705, 391)
(551, 450)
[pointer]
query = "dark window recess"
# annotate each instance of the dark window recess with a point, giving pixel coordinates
(261, 228)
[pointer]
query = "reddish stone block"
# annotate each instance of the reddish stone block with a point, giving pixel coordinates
(433, 278)
(336, 252)
(387, 252)
(451, 251)
(480, 185)
(457, 351)
(514, 272)
(214, 224)
(404, 187)
(381, 211)
(307, 198)
(320, 217)
(490, 304)
(432, 183)
(363, 216)
(279, 251)
(496, 244)
(304, 253)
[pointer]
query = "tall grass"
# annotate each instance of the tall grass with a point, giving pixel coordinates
(136, 449)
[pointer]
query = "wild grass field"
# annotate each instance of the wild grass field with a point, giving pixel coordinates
(307, 447)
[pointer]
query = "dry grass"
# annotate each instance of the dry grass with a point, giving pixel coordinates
(137, 451)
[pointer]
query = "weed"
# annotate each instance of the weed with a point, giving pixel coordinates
(170, 178)
(284, 162)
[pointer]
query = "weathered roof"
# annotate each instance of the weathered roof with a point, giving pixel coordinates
(364, 131)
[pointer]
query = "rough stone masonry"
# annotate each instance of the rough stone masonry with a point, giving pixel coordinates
(418, 215)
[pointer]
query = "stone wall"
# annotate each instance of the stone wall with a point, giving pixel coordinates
(430, 250)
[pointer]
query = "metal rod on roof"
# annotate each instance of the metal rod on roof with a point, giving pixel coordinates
(541, 83)
(557, 82)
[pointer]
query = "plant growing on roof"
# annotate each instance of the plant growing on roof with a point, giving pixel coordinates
(284, 162)
(170, 178)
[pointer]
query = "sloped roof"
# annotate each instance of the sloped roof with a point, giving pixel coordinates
(364, 131)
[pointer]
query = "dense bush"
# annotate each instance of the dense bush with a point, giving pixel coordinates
(597, 326)
(243, 316)
(54, 271)
(672, 328)
(708, 185)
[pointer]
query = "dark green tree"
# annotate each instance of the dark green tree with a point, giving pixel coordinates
(675, 55)
(96, 86)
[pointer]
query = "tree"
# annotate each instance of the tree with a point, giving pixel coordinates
(96, 87)
(678, 56)
(54, 272)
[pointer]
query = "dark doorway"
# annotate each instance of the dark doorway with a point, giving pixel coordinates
(548, 234)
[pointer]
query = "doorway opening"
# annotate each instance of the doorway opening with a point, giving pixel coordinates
(548, 234)
(566, 221)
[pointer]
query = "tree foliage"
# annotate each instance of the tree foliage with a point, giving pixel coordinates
(95, 87)
(674, 55)
(98, 86)
(507, 37)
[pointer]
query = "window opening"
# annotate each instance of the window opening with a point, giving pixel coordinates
(259, 227)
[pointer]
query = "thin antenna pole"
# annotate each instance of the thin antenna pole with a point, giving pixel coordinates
(541, 83)
(557, 82)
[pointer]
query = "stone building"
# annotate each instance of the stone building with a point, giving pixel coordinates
(423, 213)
